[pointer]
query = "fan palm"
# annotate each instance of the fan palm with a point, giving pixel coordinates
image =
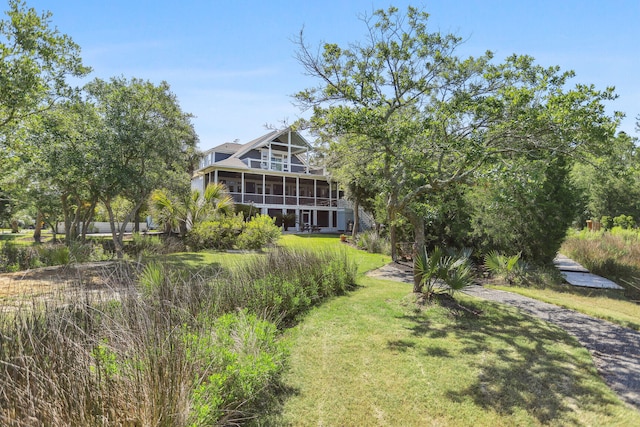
(175, 213)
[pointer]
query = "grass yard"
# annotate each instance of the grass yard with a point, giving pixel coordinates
(370, 358)
(374, 357)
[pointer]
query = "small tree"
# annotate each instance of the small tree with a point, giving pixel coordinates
(174, 212)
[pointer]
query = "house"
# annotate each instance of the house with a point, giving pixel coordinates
(273, 173)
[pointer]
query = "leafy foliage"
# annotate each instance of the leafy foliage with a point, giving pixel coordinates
(36, 60)
(451, 272)
(181, 211)
(373, 242)
(219, 233)
(508, 267)
(405, 111)
(258, 233)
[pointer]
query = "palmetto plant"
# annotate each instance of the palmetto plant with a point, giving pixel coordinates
(182, 212)
(453, 271)
(507, 267)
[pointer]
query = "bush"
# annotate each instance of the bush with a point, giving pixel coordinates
(86, 251)
(187, 350)
(372, 242)
(18, 257)
(220, 233)
(452, 269)
(285, 283)
(606, 222)
(243, 356)
(143, 245)
(258, 233)
(625, 222)
(510, 268)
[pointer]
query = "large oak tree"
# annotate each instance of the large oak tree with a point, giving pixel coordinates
(428, 119)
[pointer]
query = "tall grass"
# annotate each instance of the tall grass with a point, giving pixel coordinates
(614, 254)
(173, 349)
(373, 242)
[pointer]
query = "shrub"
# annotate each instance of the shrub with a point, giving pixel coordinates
(143, 245)
(452, 270)
(285, 283)
(57, 254)
(510, 268)
(220, 233)
(18, 257)
(258, 233)
(625, 222)
(372, 242)
(86, 251)
(606, 222)
(243, 356)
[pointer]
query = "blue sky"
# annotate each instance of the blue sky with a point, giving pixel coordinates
(231, 62)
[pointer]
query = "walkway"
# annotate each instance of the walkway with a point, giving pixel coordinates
(576, 275)
(615, 349)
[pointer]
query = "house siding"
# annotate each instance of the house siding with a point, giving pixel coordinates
(278, 185)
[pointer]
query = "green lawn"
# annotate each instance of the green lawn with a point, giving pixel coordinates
(371, 359)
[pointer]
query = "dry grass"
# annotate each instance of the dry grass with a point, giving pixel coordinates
(614, 255)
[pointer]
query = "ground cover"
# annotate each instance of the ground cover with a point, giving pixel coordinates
(188, 349)
(371, 358)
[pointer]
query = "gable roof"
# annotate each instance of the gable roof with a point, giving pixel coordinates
(264, 140)
(298, 145)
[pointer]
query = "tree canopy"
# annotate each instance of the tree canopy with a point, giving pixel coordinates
(426, 118)
(35, 63)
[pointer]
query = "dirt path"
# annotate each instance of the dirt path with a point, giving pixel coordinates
(615, 349)
(49, 283)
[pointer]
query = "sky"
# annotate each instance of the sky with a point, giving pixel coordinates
(231, 63)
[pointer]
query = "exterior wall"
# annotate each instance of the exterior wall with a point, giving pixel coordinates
(105, 227)
(313, 200)
(276, 181)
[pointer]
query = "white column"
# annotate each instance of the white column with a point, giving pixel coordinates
(269, 159)
(242, 187)
(289, 152)
(264, 181)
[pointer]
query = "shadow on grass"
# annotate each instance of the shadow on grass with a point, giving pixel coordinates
(9, 237)
(317, 235)
(190, 262)
(523, 364)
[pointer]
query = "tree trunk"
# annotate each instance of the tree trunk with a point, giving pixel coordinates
(391, 217)
(37, 231)
(418, 230)
(356, 219)
(87, 218)
(115, 236)
(136, 221)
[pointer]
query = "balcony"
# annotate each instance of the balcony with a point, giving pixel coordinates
(277, 166)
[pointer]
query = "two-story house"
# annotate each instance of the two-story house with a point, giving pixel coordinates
(273, 173)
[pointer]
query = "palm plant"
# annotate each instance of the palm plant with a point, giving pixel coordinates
(454, 271)
(507, 267)
(182, 213)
